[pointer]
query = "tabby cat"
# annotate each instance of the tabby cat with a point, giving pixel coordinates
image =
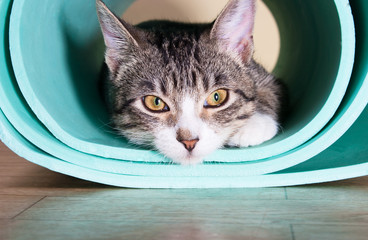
(189, 89)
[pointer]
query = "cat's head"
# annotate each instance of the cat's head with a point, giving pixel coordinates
(180, 88)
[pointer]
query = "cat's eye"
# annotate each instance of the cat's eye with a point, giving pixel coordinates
(155, 104)
(216, 99)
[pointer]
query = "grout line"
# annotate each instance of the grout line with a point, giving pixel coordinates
(292, 232)
(21, 195)
(29, 207)
(286, 195)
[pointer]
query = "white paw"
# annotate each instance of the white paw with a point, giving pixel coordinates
(258, 129)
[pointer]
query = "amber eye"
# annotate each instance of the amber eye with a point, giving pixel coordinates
(155, 104)
(216, 99)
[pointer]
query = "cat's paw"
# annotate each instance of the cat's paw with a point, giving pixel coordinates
(258, 129)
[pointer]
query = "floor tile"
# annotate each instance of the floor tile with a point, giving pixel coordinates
(12, 205)
(330, 232)
(211, 210)
(348, 190)
(99, 230)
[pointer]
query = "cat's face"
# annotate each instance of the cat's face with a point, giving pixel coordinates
(186, 112)
(184, 93)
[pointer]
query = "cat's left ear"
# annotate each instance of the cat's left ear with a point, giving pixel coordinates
(233, 28)
(118, 34)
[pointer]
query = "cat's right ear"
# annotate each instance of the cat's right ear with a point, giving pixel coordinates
(119, 36)
(233, 28)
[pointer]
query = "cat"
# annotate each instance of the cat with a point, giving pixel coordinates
(188, 89)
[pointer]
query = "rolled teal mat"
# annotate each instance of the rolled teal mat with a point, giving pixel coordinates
(70, 50)
(49, 119)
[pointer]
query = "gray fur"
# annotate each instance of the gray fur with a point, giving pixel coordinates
(173, 60)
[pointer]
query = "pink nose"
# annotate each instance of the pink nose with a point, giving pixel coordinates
(189, 144)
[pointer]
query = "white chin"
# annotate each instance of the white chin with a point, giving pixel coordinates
(167, 144)
(178, 154)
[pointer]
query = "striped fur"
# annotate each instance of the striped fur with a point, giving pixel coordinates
(183, 64)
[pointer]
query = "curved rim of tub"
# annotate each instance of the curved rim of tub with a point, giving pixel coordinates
(38, 76)
(23, 148)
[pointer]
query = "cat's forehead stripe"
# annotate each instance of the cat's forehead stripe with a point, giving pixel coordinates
(163, 87)
(174, 79)
(149, 85)
(194, 78)
(220, 79)
(205, 82)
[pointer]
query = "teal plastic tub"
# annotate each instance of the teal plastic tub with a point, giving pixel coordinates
(52, 115)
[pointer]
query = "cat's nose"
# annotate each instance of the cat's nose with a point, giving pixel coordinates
(189, 144)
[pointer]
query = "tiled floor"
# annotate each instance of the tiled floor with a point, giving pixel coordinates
(36, 203)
